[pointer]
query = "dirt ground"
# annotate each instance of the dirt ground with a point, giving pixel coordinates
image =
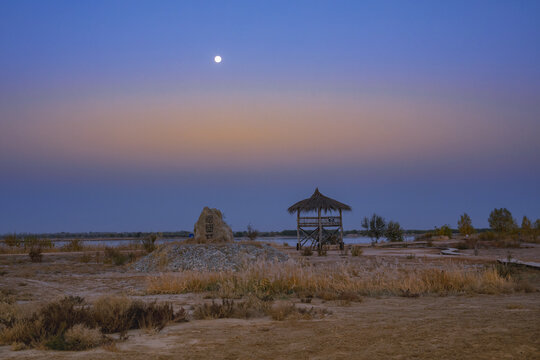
(427, 327)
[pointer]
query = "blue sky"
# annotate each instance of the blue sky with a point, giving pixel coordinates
(113, 116)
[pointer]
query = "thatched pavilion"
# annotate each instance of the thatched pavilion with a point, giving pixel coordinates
(317, 231)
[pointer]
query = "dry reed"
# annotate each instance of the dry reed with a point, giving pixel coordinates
(266, 280)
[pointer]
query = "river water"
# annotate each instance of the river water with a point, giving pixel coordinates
(291, 241)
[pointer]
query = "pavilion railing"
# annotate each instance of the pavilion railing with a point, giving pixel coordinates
(314, 221)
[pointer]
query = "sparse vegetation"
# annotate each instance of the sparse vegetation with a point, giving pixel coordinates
(73, 245)
(33, 241)
(12, 240)
(307, 251)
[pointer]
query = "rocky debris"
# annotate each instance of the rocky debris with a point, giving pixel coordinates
(211, 228)
(207, 257)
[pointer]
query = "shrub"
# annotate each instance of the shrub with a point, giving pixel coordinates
(252, 234)
(35, 254)
(149, 242)
(356, 250)
(214, 310)
(445, 230)
(307, 251)
(284, 311)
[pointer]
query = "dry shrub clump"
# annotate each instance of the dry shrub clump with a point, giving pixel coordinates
(81, 337)
(252, 308)
(72, 324)
(356, 250)
(267, 280)
(35, 254)
(289, 311)
(117, 257)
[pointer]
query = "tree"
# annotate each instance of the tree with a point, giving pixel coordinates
(375, 227)
(501, 220)
(526, 227)
(465, 225)
(394, 232)
(536, 231)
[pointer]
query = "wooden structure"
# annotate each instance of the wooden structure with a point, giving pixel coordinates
(316, 231)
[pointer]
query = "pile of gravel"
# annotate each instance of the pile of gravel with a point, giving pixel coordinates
(210, 257)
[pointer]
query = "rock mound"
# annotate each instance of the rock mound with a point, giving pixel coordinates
(207, 257)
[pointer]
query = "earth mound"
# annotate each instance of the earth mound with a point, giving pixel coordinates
(207, 257)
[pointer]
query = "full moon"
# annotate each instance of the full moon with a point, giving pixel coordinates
(217, 59)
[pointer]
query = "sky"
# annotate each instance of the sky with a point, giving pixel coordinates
(114, 116)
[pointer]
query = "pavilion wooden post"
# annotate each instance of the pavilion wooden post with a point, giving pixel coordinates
(320, 229)
(298, 230)
(341, 246)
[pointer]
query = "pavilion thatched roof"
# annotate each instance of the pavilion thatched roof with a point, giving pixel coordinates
(318, 201)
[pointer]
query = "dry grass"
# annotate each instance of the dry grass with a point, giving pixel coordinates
(266, 280)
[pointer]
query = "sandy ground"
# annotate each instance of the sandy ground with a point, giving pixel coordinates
(429, 327)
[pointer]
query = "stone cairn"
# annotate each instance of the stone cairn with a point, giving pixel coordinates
(210, 228)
